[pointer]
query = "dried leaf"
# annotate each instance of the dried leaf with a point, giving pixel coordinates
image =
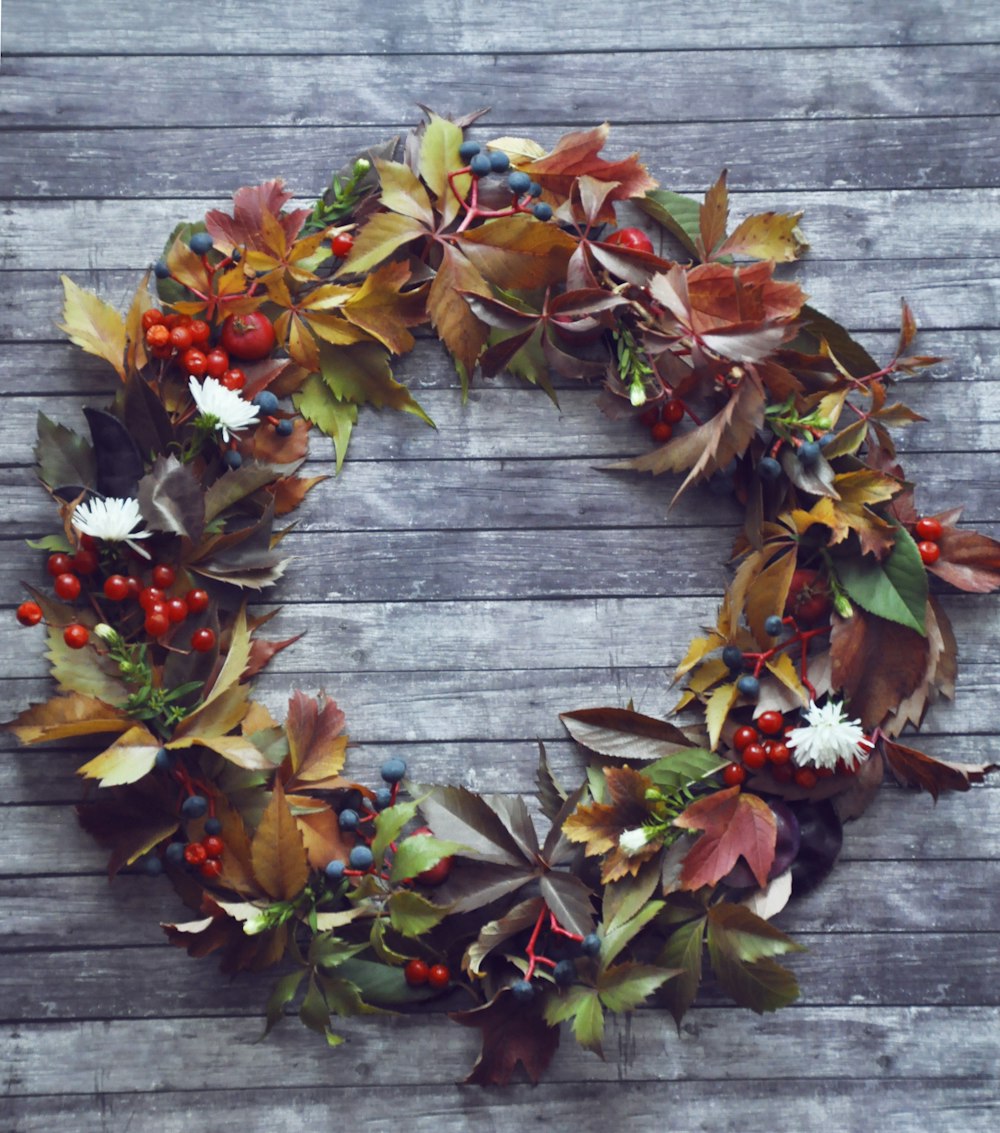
(624, 734)
(512, 1033)
(767, 236)
(913, 768)
(279, 857)
(735, 824)
(63, 717)
(316, 747)
(93, 325)
(128, 759)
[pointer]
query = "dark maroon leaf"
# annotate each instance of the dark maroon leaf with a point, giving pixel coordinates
(512, 1033)
(118, 460)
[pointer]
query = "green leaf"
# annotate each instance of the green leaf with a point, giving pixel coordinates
(678, 214)
(50, 543)
(313, 1010)
(420, 852)
(283, 994)
(582, 1005)
(413, 915)
(362, 374)
(741, 945)
(317, 403)
(625, 986)
(389, 825)
(895, 589)
(680, 770)
(622, 930)
(383, 985)
(684, 952)
(63, 457)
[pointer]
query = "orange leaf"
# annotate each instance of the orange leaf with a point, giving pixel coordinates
(735, 825)
(279, 857)
(66, 716)
(315, 746)
(713, 217)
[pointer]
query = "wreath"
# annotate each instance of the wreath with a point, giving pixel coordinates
(683, 836)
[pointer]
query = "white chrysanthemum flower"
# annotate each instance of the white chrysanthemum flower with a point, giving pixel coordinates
(113, 520)
(221, 409)
(632, 841)
(828, 737)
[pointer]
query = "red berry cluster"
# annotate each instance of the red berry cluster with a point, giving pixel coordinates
(419, 972)
(206, 856)
(661, 419)
(187, 341)
(758, 747)
(928, 531)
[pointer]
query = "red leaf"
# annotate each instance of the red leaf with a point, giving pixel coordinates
(915, 769)
(969, 561)
(261, 652)
(512, 1033)
(246, 226)
(735, 825)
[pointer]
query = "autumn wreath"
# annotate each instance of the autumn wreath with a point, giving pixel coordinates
(828, 643)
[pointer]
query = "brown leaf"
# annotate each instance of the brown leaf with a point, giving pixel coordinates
(66, 716)
(315, 745)
(942, 668)
(713, 216)
(245, 228)
(624, 734)
(512, 1033)
(128, 759)
(129, 821)
(323, 838)
(290, 491)
(969, 561)
(261, 652)
(279, 857)
(915, 769)
(735, 824)
(457, 327)
(518, 253)
(600, 825)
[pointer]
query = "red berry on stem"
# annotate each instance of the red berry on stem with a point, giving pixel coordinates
(733, 774)
(341, 244)
(76, 636)
(158, 336)
(197, 601)
(59, 564)
(180, 338)
(808, 598)
(216, 363)
(673, 411)
(661, 432)
(134, 586)
(211, 868)
(214, 846)
(195, 853)
(779, 754)
(156, 624)
(632, 238)
(438, 977)
(416, 972)
(116, 588)
(200, 331)
(929, 529)
(805, 777)
(84, 562)
(148, 595)
(194, 362)
(770, 723)
(29, 613)
(67, 587)
(177, 610)
(743, 736)
(929, 552)
(234, 379)
(164, 576)
(151, 318)
(202, 640)
(754, 757)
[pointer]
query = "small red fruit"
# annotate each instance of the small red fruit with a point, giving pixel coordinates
(177, 610)
(197, 600)
(673, 411)
(214, 846)
(341, 244)
(438, 977)
(116, 588)
(67, 587)
(806, 778)
(202, 640)
(216, 363)
(29, 613)
(661, 432)
(59, 564)
(929, 552)
(770, 723)
(158, 336)
(211, 868)
(194, 362)
(234, 379)
(149, 595)
(416, 972)
(200, 331)
(929, 529)
(743, 736)
(733, 774)
(808, 598)
(180, 338)
(84, 562)
(779, 754)
(157, 624)
(195, 853)
(76, 636)
(134, 586)
(248, 336)
(754, 757)
(151, 318)
(164, 576)
(632, 238)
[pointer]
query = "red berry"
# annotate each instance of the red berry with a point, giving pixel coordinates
(157, 624)
(202, 640)
(673, 411)
(180, 338)
(158, 336)
(929, 552)
(148, 595)
(67, 587)
(779, 754)
(234, 379)
(661, 432)
(216, 363)
(754, 757)
(743, 736)
(195, 853)
(88, 542)
(733, 774)
(59, 564)
(116, 587)
(929, 529)
(438, 977)
(805, 777)
(134, 586)
(84, 562)
(214, 846)
(194, 362)
(416, 972)
(151, 318)
(632, 238)
(200, 331)
(341, 244)
(211, 868)
(197, 600)
(177, 610)
(164, 576)
(76, 636)
(29, 613)
(808, 598)
(157, 607)
(248, 336)
(770, 723)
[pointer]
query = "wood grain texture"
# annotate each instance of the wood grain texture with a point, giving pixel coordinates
(462, 587)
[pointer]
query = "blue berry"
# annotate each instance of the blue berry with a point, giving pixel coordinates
(518, 183)
(523, 991)
(361, 857)
(232, 459)
(769, 468)
(284, 427)
(393, 769)
(468, 150)
(349, 819)
(383, 798)
(481, 165)
(194, 806)
(334, 870)
(165, 759)
(534, 189)
(213, 826)
(265, 401)
(160, 269)
(591, 945)
(826, 439)
(200, 243)
(774, 625)
(809, 452)
(499, 161)
(564, 973)
(175, 853)
(542, 211)
(152, 866)
(748, 686)
(732, 655)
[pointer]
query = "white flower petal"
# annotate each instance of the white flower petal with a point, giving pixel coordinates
(114, 520)
(228, 411)
(828, 738)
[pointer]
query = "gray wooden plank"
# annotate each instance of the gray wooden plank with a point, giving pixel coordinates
(715, 1043)
(72, 235)
(253, 27)
(926, 153)
(741, 1106)
(571, 89)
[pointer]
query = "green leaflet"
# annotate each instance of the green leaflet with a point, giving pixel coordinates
(895, 589)
(678, 214)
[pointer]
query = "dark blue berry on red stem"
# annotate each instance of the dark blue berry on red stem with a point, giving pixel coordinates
(591, 945)
(195, 806)
(749, 687)
(284, 427)
(160, 269)
(809, 453)
(265, 401)
(213, 826)
(732, 655)
(518, 183)
(393, 770)
(542, 211)
(481, 165)
(232, 459)
(774, 625)
(200, 243)
(523, 991)
(564, 973)
(769, 469)
(334, 870)
(361, 857)
(499, 161)
(468, 150)
(349, 819)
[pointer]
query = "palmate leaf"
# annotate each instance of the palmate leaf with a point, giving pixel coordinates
(362, 374)
(171, 499)
(677, 213)
(914, 768)
(735, 825)
(412, 914)
(741, 946)
(316, 747)
(320, 405)
(513, 1034)
(683, 954)
(128, 759)
(623, 733)
(64, 717)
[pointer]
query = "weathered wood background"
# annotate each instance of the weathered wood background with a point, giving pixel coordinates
(462, 587)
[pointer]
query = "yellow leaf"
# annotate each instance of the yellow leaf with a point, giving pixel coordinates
(66, 716)
(135, 351)
(257, 719)
(237, 659)
(93, 325)
(237, 749)
(380, 237)
(767, 236)
(683, 701)
(783, 667)
(696, 650)
(375, 307)
(866, 487)
(439, 157)
(402, 191)
(767, 594)
(708, 674)
(717, 709)
(519, 147)
(279, 857)
(128, 759)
